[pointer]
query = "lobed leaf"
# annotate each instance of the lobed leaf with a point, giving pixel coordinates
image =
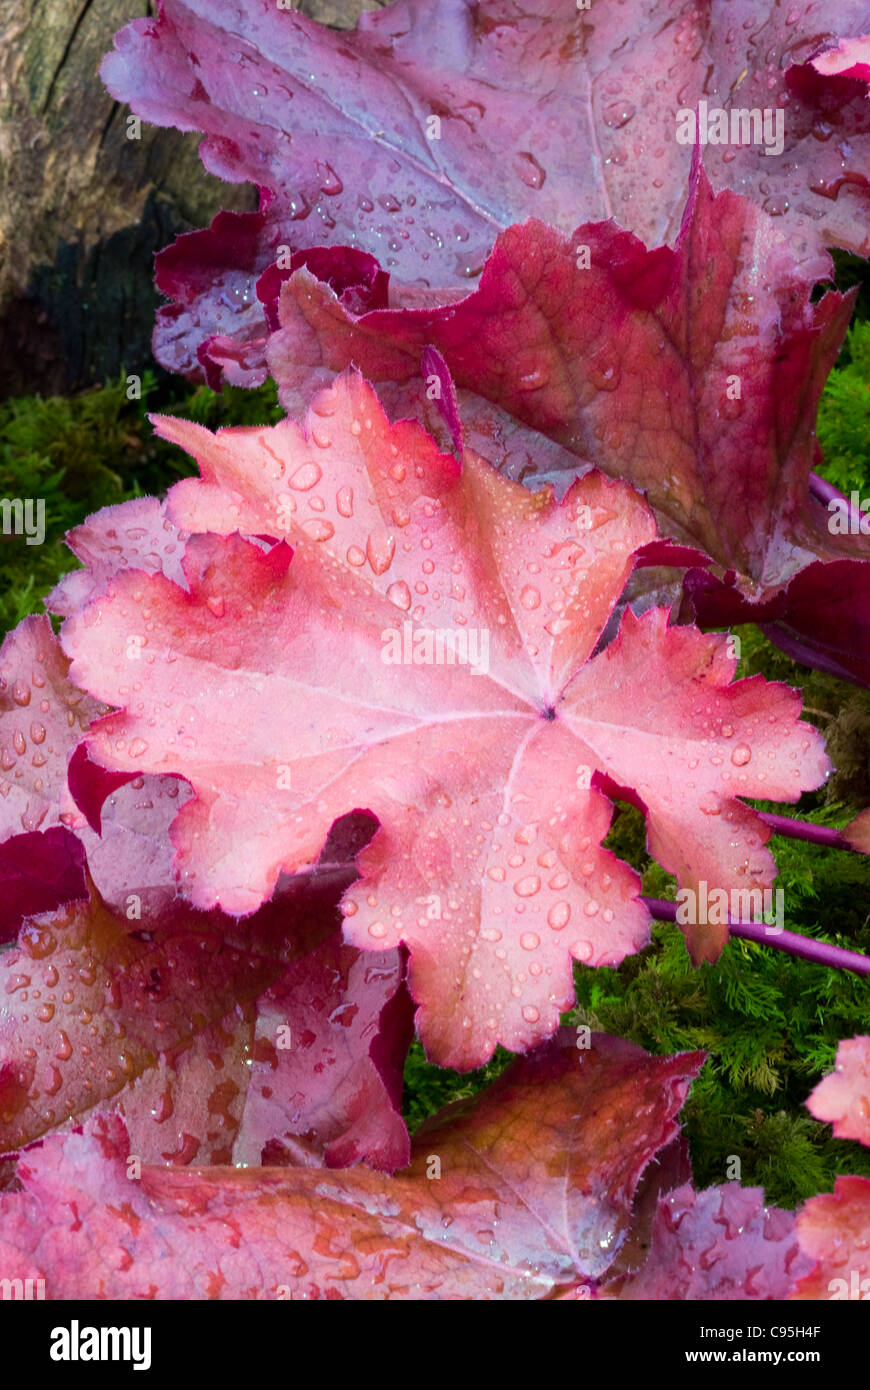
(265, 686)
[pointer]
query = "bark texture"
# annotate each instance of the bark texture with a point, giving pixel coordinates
(84, 208)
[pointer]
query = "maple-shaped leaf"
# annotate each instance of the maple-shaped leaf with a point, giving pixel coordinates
(523, 1190)
(214, 1043)
(432, 127)
(842, 1099)
(427, 656)
(719, 1244)
(693, 372)
(130, 535)
(42, 717)
(834, 1229)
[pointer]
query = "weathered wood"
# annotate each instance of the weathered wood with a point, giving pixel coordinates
(83, 209)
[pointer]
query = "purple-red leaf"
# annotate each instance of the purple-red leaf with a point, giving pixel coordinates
(430, 128)
(693, 373)
(215, 1044)
(38, 871)
(720, 1244)
(526, 1189)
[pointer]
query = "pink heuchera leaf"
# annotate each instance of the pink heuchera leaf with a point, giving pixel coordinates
(546, 113)
(42, 717)
(843, 1098)
(283, 713)
(215, 1044)
(835, 1231)
(536, 1182)
(694, 373)
(131, 535)
(720, 1244)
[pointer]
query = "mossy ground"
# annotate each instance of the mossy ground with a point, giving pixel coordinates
(769, 1023)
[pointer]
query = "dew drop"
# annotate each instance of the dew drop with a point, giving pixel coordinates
(307, 476)
(558, 915)
(528, 169)
(52, 1082)
(529, 941)
(741, 755)
(380, 549)
(530, 597)
(618, 114)
(318, 530)
(400, 595)
(776, 205)
(527, 887)
(330, 183)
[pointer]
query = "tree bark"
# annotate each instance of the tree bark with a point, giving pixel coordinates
(83, 208)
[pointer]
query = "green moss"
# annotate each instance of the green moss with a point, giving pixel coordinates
(89, 451)
(428, 1088)
(844, 415)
